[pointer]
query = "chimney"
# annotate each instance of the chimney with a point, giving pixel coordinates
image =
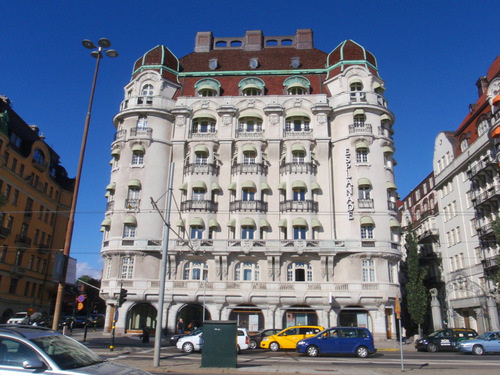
(482, 85)
(304, 39)
(204, 41)
(254, 40)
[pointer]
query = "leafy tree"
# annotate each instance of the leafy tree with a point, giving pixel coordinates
(495, 277)
(417, 297)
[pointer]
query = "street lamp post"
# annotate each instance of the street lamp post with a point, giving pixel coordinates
(104, 44)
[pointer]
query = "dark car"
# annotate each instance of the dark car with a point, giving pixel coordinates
(444, 339)
(339, 340)
(174, 338)
(256, 338)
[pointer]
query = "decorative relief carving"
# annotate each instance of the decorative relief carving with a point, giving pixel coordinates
(205, 104)
(297, 102)
(180, 121)
(251, 103)
(321, 119)
(227, 120)
(274, 119)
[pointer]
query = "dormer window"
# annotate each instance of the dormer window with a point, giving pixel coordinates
(297, 85)
(147, 90)
(207, 87)
(213, 64)
(464, 145)
(253, 63)
(295, 62)
(251, 87)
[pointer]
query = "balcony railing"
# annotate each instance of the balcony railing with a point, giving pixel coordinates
(256, 168)
(195, 168)
(203, 135)
(199, 205)
(288, 168)
(360, 128)
(258, 205)
(4, 232)
(292, 134)
(301, 206)
(486, 195)
(141, 133)
(365, 204)
(132, 204)
(23, 240)
(120, 135)
(250, 135)
(358, 97)
(478, 167)
(110, 206)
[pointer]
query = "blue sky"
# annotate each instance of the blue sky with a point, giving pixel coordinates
(430, 53)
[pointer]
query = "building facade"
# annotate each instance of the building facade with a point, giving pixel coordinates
(36, 196)
(283, 206)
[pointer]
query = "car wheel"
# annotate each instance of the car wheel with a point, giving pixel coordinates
(188, 347)
(312, 351)
(253, 344)
(238, 349)
(362, 352)
(478, 350)
(274, 346)
(432, 348)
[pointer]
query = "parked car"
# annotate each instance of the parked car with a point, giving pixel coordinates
(339, 340)
(488, 342)
(289, 337)
(32, 349)
(256, 338)
(41, 321)
(23, 318)
(194, 341)
(444, 339)
(190, 342)
(174, 338)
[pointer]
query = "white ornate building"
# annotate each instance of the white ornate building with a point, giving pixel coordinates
(284, 203)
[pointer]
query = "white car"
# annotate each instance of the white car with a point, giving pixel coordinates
(23, 318)
(194, 341)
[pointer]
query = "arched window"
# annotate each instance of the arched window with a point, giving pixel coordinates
(203, 125)
(298, 156)
(246, 271)
(297, 85)
(142, 122)
(208, 86)
(356, 85)
(483, 126)
(251, 86)
(147, 90)
(249, 125)
(195, 271)
(299, 271)
(297, 124)
(39, 157)
(464, 144)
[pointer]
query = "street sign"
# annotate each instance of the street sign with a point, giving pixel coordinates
(80, 306)
(81, 298)
(397, 308)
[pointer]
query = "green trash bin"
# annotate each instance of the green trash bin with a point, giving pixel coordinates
(219, 343)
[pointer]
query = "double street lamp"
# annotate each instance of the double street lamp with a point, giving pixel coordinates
(97, 52)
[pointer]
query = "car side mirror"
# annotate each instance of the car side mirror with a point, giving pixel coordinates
(33, 364)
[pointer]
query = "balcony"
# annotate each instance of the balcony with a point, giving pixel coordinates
(120, 135)
(392, 206)
(256, 206)
(301, 134)
(132, 204)
(485, 196)
(479, 167)
(289, 168)
(4, 232)
(250, 135)
(357, 98)
(40, 165)
(203, 135)
(365, 204)
(141, 133)
(17, 270)
(194, 168)
(490, 266)
(110, 206)
(432, 233)
(156, 101)
(299, 206)
(360, 128)
(23, 240)
(256, 168)
(199, 205)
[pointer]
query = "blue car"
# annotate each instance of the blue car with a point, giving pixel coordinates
(339, 340)
(488, 342)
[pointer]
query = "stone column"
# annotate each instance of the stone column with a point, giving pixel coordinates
(493, 314)
(481, 319)
(437, 320)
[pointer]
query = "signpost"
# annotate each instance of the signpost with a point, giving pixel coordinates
(397, 310)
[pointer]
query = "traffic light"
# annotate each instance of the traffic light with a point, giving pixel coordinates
(123, 297)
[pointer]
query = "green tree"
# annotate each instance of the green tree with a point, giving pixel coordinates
(495, 277)
(417, 294)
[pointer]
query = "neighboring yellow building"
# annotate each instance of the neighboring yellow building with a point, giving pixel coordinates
(35, 197)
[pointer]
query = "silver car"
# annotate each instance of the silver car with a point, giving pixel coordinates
(40, 350)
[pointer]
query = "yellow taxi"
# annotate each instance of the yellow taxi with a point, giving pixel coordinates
(289, 337)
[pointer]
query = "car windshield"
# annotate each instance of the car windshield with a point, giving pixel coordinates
(194, 333)
(435, 333)
(483, 336)
(67, 353)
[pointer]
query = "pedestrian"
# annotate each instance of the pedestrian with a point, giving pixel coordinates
(180, 326)
(403, 335)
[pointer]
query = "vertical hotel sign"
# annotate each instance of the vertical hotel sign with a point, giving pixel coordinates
(348, 185)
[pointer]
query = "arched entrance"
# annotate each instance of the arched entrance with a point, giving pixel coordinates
(355, 316)
(139, 316)
(299, 315)
(249, 317)
(192, 315)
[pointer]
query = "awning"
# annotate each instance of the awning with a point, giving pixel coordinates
(316, 224)
(248, 222)
(116, 152)
(390, 185)
(282, 186)
(200, 185)
(184, 186)
(130, 220)
(315, 186)
(212, 223)
(206, 115)
(364, 182)
(248, 185)
(197, 222)
(250, 114)
(106, 222)
(377, 85)
(232, 186)
(367, 220)
(496, 100)
(134, 184)
(107, 194)
(299, 184)
(263, 223)
(296, 113)
(299, 222)
(138, 148)
(264, 186)
(359, 112)
(355, 80)
(496, 132)
(215, 186)
(180, 223)
(231, 223)
(111, 186)
(385, 117)
(298, 147)
(251, 148)
(201, 148)
(283, 223)
(393, 223)
(361, 145)
(387, 150)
